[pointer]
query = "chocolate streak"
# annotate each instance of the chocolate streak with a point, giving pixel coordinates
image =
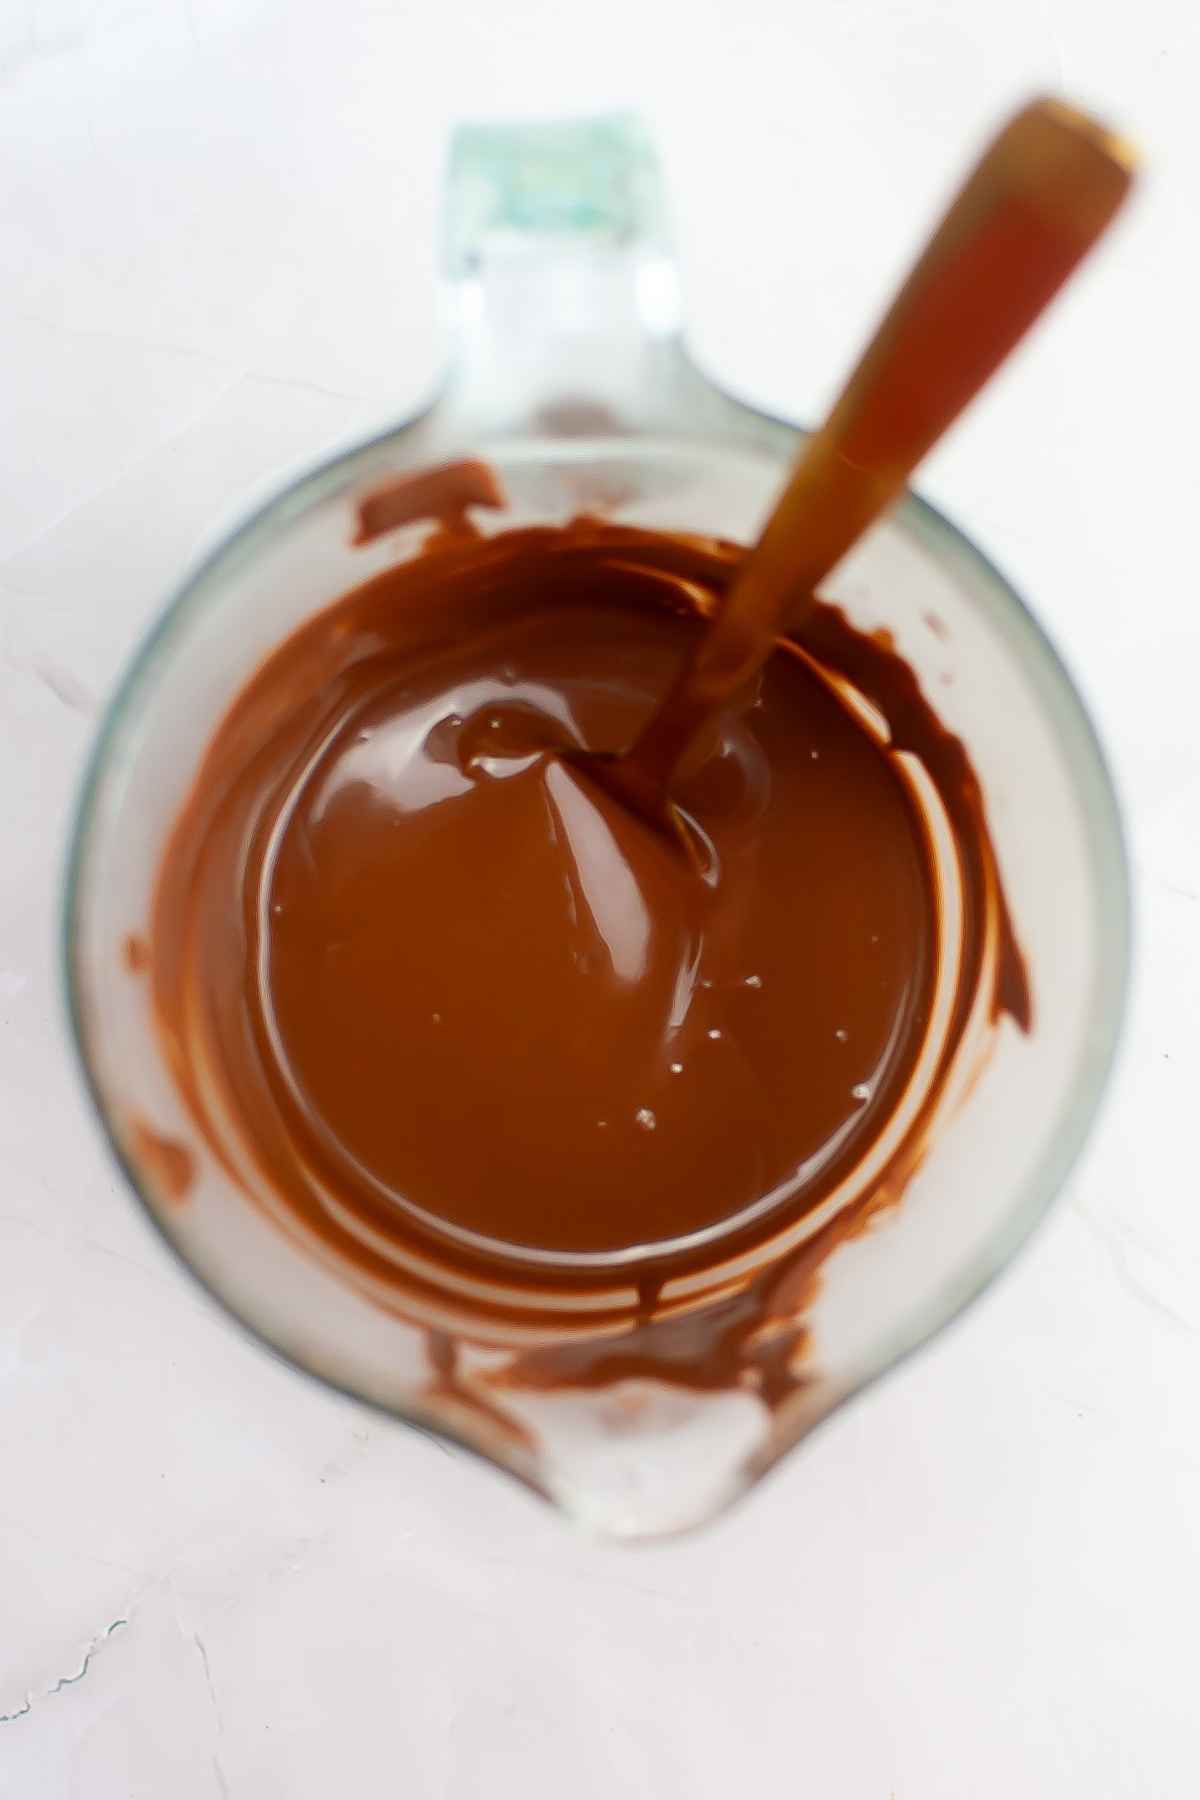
(489, 1042)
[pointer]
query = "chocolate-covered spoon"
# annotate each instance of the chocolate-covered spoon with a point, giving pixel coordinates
(1042, 194)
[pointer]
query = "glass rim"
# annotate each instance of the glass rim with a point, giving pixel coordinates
(1062, 705)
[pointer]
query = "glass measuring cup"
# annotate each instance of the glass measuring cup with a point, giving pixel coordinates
(570, 378)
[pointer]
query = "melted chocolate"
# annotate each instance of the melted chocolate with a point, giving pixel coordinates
(170, 1163)
(488, 1039)
(135, 953)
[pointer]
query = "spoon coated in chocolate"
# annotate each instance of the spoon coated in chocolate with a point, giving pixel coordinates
(1045, 190)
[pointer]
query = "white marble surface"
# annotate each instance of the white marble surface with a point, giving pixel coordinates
(216, 1579)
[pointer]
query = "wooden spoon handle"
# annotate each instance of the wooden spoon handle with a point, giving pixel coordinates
(1041, 195)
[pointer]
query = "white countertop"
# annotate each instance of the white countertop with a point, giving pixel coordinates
(216, 1579)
